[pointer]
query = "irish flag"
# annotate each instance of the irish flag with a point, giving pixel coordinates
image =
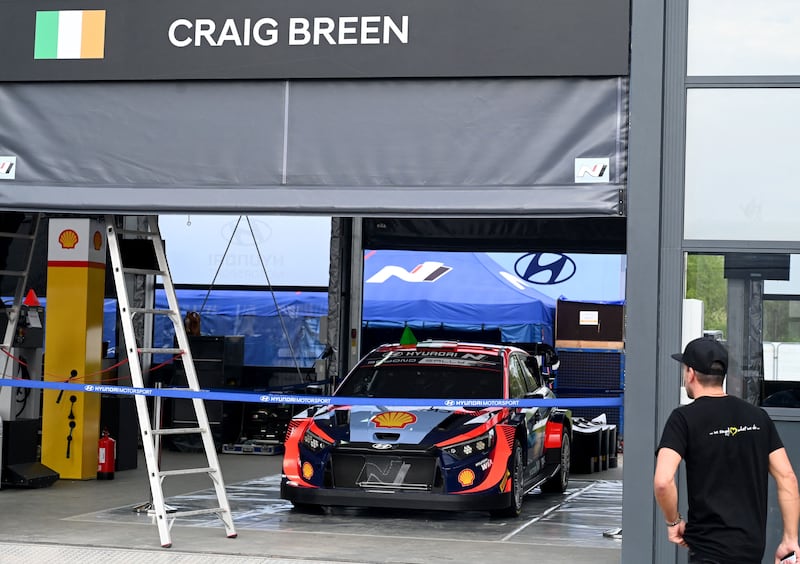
(70, 34)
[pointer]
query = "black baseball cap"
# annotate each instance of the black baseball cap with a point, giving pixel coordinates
(701, 353)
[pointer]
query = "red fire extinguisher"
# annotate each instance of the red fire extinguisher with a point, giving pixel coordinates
(106, 457)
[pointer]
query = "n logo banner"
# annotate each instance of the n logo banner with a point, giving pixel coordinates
(8, 168)
(591, 170)
(425, 272)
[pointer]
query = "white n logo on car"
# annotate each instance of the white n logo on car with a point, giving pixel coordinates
(425, 272)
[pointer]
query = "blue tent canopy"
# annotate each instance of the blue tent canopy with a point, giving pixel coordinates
(466, 291)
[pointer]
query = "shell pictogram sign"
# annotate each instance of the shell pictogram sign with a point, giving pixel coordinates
(68, 239)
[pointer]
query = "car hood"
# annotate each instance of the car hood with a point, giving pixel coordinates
(400, 425)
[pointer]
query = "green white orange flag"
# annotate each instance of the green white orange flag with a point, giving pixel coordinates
(70, 34)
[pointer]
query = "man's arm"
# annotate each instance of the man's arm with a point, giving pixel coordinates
(788, 500)
(666, 492)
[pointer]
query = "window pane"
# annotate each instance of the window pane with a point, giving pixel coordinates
(742, 37)
(516, 384)
(741, 161)
(751, 302)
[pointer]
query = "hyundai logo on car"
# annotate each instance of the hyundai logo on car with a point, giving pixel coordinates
(545, 269)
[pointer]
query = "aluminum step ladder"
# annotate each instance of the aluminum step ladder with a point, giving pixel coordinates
(24, 236)
(141, 252)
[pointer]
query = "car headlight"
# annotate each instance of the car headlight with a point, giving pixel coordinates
(478, 445)
(314, 442)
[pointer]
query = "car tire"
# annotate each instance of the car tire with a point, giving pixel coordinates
(516, 469)
(559, 482)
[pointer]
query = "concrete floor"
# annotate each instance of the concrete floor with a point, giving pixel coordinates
(94, 521)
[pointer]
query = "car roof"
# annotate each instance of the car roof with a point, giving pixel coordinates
(456, 346)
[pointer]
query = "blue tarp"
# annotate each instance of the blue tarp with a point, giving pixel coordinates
(252, 314)
(277, 327)
(454, 290)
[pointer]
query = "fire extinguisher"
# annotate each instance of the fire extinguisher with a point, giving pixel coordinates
(106, 457)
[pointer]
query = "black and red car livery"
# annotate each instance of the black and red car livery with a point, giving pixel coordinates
(463, 453)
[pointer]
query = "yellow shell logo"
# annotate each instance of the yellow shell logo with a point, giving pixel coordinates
(68, 239)
(466, 477)
(308, 470)
(394, 419)
(97, 241)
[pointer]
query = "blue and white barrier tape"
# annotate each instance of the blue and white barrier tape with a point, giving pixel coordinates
(308, 399)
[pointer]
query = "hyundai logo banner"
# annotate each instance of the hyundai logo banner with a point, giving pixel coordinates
(573, 276)
(217, 39)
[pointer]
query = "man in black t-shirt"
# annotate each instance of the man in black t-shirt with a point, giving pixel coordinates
(729, 447)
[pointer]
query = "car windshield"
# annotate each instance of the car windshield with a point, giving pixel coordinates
(424, 376)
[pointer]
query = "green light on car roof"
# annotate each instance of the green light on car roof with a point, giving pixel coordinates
(408, 337)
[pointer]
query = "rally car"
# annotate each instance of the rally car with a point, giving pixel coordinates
(468, 452)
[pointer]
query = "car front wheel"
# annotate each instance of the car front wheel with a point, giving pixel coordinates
(516, 469)
(560, 480)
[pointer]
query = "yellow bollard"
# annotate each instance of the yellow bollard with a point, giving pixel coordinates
(76, 261)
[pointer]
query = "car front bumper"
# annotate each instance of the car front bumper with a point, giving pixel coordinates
(397, 499)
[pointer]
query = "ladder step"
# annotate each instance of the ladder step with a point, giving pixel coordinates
(19, 273)
(179, 431)
(157, 350)
(152, 311)
(186, 471)
(144, 271)
(189, 513)
(5, 235)
(135, 233)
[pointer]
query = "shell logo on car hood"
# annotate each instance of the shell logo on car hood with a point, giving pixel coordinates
(406, 424)
(394, 419)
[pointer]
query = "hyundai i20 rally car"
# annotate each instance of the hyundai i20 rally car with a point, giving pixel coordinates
(468, 452)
